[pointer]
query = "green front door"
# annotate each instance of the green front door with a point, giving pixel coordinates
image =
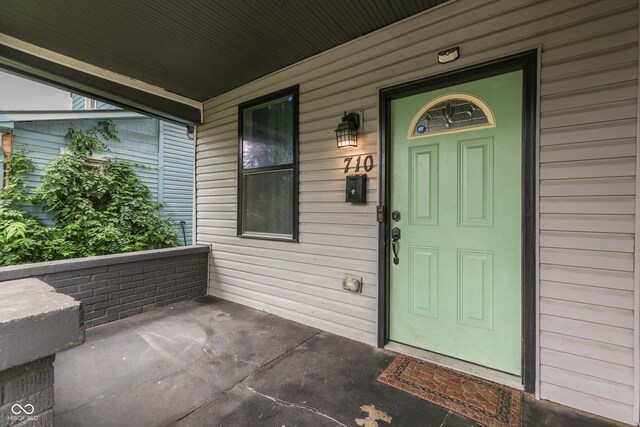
(456, 185)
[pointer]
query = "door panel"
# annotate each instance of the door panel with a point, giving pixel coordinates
(475, 289)
(423, 185)
(475, 182)
(423, 281)
(457, 287)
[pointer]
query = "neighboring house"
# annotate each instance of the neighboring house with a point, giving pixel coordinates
(79, 102)
(163, 148)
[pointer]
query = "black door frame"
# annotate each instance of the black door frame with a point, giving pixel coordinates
(527, 62)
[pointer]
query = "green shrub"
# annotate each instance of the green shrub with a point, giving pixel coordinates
(22, 237)
(99, 208)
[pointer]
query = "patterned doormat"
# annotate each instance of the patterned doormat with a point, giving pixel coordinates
(488, 403)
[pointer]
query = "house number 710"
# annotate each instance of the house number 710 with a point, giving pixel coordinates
(367, 165)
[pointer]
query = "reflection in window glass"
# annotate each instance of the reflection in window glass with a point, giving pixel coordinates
(267, 179)
(267, 202)
(451, 114)
(268, 134)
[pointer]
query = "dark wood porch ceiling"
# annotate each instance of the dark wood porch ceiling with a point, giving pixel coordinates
(197, 48)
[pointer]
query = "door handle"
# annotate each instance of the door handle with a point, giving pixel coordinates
(395, 236)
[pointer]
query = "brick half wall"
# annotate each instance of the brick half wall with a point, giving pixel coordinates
(112, 287)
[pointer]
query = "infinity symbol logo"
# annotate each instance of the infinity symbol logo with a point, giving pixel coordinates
(27, 409)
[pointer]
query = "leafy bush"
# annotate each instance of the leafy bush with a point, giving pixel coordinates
(99, 207)
(22, 237)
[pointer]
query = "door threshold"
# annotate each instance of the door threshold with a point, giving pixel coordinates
(499, 377)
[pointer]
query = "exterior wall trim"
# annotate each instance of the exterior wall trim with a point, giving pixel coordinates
(538, 83)
(64, 72)
(194, 191)
(97, 71)
(32, 116)
(528, 63)
(636, 263)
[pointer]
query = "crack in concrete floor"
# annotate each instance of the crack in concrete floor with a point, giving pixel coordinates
(284, 403)
(227, 375)
(243, 379)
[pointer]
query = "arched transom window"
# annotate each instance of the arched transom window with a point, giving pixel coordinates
(454, 112)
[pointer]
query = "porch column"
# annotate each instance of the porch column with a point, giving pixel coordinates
(36, 322)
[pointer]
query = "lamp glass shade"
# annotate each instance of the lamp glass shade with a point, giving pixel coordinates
(347, 133)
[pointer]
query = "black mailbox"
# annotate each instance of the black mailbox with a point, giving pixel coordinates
(357, 188)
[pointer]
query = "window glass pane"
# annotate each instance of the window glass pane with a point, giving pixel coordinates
(267, 200)
(268, 134)
(452, 114)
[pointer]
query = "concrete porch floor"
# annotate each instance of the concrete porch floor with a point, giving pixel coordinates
(209, 362)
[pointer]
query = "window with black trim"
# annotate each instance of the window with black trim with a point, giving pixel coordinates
(268, 166)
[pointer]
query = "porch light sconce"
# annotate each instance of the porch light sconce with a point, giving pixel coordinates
(347, 130)
(191, 131)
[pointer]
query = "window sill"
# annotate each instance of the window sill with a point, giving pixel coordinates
(268, 237)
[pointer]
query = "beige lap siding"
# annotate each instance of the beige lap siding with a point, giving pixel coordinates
(587, 182)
